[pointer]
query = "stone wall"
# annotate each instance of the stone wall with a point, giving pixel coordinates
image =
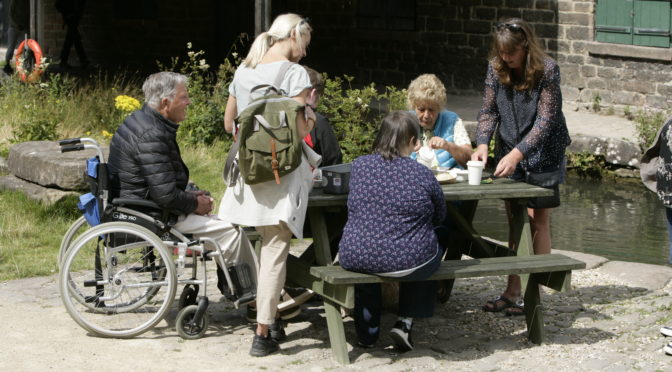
(452, 40)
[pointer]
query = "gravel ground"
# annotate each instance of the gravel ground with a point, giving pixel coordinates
(610, 320)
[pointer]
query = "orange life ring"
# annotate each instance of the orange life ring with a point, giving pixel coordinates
(34, 75)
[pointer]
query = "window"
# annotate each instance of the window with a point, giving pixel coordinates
(635, 22)
(386, 14)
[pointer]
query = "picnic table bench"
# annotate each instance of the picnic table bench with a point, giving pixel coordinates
(314, 269)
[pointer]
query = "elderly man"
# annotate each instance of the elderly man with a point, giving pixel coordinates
(145, 163)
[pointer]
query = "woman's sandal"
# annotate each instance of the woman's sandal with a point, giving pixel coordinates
(516, 309)
(498, 304)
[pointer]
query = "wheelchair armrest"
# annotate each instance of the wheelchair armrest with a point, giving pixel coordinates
(136, 203)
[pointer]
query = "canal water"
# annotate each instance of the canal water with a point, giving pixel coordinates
(617, 220)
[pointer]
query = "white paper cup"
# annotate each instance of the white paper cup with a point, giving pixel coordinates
(475, 168)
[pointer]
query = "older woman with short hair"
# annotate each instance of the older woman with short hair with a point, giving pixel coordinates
(442, 130)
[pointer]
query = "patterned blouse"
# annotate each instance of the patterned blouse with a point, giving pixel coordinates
(664, 170)
(392, 208)
(531, 120)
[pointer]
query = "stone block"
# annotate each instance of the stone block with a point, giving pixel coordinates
(42, 162)
(615, 151)
(4, 166)
(34, 191)
(659, 102)
(579, 33)
(574, 19)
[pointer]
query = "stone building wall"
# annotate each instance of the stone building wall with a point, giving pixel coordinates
(452, 39)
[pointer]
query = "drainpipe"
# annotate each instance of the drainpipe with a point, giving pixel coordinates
(262, 16)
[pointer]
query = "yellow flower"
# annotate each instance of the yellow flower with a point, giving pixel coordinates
(107, 135)
(126, 104)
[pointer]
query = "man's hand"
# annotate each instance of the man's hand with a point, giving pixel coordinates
(205, 203)
(508, 164)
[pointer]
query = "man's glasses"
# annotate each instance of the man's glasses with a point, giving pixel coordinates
(513, 27)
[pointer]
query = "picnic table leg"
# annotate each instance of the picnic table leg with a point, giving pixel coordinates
(336, 332)
(320, 237)
(534, 315)
(521, 234)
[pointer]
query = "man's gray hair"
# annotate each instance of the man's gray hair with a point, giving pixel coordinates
(161, 85)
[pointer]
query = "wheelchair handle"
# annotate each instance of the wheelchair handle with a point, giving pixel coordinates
(78, 147)
(69, 141)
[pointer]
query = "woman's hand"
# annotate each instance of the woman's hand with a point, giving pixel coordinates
(437, 142)
(508, 164)
(481, 154)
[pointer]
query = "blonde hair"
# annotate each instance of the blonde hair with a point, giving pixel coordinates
(281, 29)
(508, 40)
(426, 88)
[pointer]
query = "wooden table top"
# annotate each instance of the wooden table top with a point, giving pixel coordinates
(500, 188)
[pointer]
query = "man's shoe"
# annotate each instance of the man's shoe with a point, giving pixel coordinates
(401, 336)
(277, 331)
(262, 346)
(668, 348)
(666, 331)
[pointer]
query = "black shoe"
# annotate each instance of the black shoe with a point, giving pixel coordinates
(262, 346)
(401, 336)
(7, 69)
(277, 331)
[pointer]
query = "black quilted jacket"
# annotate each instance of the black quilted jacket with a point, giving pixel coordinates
(145, 162)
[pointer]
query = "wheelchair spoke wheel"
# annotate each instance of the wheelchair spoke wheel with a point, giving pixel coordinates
(185, 325)
(117, 280)
(189, 296)
(75, 230)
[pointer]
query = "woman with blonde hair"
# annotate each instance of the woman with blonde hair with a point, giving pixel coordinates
(442, 130)
(276, 211)
(522, 107)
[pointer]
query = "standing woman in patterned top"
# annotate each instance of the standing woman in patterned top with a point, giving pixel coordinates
(522, 107)
(393, 206)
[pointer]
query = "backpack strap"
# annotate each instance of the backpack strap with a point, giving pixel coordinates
(281, 74)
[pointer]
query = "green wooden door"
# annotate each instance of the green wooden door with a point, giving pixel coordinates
(635, 22)
(652, 23)
(613, 21)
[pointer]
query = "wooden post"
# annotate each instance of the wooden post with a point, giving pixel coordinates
(33, 20)
(262, 16)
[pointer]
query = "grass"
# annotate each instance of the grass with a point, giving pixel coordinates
(31, 233)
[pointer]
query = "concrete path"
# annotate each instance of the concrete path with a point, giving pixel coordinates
(609, 321)
(579, 122)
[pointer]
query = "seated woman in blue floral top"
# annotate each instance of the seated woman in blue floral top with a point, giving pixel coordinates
(393, 206)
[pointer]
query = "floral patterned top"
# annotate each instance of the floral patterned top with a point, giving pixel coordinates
(392, 208)
(531, 120)
(664, 170)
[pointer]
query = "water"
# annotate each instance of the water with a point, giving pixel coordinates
(617, 220)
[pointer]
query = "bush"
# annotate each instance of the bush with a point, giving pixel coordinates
(647, 126)
(355, 113)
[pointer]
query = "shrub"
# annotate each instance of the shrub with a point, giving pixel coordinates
(355, 113)
(585, 164)
(647, 126)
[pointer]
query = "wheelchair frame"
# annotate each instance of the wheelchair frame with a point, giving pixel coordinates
(135, 280)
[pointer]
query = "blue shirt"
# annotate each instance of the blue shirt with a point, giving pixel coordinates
(392, 208)
(444, 128)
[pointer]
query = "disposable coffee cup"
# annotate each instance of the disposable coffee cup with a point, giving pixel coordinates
(475, 169)
(425, 156)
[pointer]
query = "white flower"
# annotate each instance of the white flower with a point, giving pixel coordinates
(189, 45)
(44, 85)
(234, 54)
(190, 54)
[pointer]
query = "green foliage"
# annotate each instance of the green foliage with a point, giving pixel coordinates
(596, 102)
(208, 94)
(356, 113)
(647, 126)
(586, 165)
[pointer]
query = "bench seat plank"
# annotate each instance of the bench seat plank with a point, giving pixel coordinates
(461, 269)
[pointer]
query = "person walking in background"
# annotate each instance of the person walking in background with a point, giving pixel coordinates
(522, 107)
(72, 11)
(393, 205)
(656, 173)
(322, 138)
(19, 25)
(276, 211)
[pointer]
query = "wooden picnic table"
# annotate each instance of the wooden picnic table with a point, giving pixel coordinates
(465, 240)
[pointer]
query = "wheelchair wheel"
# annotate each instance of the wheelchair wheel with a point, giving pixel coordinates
(73, 232)
(189, 296)
(117, 280)
(185, 326)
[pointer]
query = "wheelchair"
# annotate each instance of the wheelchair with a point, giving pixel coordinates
(119, 277)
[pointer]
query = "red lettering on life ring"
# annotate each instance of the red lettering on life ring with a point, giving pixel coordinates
(28, 76)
